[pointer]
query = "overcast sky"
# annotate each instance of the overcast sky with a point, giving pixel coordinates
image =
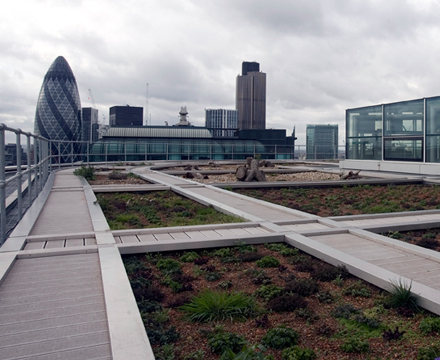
(320, 56)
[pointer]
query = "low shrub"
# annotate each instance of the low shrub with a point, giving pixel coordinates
(428, 353)
(262, 322)
(268, 262)
(149, 306)
(307, 314)
(389, 335)
(225, 285)
(268, 292)
(308, 265)
(169, 266)
(247, 353)
(430, 325)
(298, 353)
(213, 276)
(222, 341)
(249, 257)
(372, 323)
(280, 338)
(286, 303)
(355, 345)
(325, 329)
(260, 278)
(160, 336)
(87, 172)
(428, 243)
(224, 252)
(213, 306)
(303, 287)
(117, 175)
(344, 311)
(327, 272)
(325, 297)
(189, 257)
(357, 289)
(148, 293)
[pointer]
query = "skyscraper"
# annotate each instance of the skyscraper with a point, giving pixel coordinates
(126, 116)
(58, 113)
(251, 97)
(221, 122)
(322, 141)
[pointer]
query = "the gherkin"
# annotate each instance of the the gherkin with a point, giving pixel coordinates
(58, 114)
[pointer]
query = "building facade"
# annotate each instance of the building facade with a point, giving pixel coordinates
(126, 116)
(401, 131)
(321, 142)
(221, 122)
(58, 112)
(251, 97)
(189, 143)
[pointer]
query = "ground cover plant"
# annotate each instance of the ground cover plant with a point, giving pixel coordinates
(157, 209)
(254, 312)
(352, 200)
(428, 238)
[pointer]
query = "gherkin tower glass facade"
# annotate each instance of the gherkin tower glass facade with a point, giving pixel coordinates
(58, 113)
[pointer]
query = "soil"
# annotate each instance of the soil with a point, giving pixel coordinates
(192, 336)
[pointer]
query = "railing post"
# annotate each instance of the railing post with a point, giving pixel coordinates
(40, 164)
(19, 194)
(29, 167)
(2, 186)
(36, 166)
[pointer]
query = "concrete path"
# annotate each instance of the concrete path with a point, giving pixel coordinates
(64, 292)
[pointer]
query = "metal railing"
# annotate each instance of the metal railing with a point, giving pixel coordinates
(34, 174)
(21, 184)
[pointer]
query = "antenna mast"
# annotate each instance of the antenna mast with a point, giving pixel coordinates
(146, 107)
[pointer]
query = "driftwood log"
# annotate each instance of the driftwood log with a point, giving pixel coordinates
(250, 171)
(350, 175)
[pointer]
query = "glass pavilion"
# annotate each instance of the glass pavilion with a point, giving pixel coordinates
(401, 131)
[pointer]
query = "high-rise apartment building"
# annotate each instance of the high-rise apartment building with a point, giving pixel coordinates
(126, 116)
(221, 122)
(58, 113)
(251, 97)
(322, 141)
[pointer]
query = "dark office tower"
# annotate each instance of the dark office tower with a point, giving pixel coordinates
(251, 97)
(58, 113)
(249, 67)
(126, 116)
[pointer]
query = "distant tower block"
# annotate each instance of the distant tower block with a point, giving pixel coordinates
(58, 113)
(183, 117)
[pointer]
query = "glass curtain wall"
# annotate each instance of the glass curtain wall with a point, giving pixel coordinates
(411, 131)
(404, 130)
(364, 133)
(433, 129)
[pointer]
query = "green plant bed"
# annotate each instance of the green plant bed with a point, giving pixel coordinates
(157, 209)
(184, 310)
(352, 200)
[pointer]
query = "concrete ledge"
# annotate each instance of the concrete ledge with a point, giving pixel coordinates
(128, 339)
(7, 260)
(401, 226)
(119, 188)
(174, 245)
(174, 229)
(384, 215)
(98, 219)
(371, 273)
(24, 254)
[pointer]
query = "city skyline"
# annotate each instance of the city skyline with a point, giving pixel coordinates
(321, 57)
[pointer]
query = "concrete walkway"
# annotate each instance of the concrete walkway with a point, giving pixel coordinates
(64, 292)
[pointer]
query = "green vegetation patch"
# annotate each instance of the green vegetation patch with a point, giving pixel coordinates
(157, 209)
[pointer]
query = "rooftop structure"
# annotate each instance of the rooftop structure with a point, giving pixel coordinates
(402, 136)
(126, 116)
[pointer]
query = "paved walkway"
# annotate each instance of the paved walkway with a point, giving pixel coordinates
(64, 293)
